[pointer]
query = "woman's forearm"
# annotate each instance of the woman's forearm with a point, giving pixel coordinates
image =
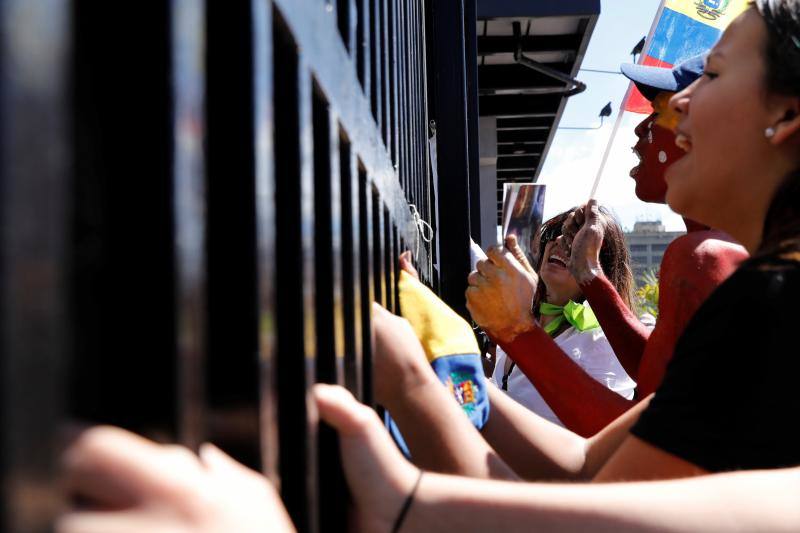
(439, 435)
(739, 502)
(535, 448)
(624, 331)
(539, 450)
(582, 403)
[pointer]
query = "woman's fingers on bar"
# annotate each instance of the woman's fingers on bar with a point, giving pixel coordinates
(406, 263)
(113, 467)
(338, 408)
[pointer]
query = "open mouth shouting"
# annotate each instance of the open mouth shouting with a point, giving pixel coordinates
(635, 170)
(683, 141)
(557, 259)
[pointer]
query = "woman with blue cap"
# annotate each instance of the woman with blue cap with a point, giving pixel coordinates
(693, 266)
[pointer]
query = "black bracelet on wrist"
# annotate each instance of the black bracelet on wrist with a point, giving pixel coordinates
(398, 523)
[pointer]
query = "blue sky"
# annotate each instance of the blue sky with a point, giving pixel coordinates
(575, 155)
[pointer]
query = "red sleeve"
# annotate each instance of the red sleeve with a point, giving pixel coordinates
(693, 267)
(624, 331)
(584, 405)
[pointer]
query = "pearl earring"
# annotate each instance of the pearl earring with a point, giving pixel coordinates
(769, 132)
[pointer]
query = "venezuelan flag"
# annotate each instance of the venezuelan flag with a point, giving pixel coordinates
(451, 348)
(683, 29)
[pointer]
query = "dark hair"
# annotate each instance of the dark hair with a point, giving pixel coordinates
(614, 256)
(782, 58)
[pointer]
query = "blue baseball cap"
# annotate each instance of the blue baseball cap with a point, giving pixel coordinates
(652, 80)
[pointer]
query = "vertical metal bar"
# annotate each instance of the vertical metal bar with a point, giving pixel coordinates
(188, 49)
(397, 243)
(337, 228)
(232, 364)
(407, 99)
(376, 72)
(423, 91)
(34, 210)
(408, 68)
(124, 220)
(295, 291)
(263, 116)
(366, 283)
(327, 246)
(378, 249)
(414, 104)
(419, 114)
(363, 35)
(471, 63)
(351, 287)
(343, 18)
(389, 253)
(387, 80)
(412, 99)
(450, 111)
(400, 58)
(352, 29)
(329, 313)
(394, 131)
(308, 279)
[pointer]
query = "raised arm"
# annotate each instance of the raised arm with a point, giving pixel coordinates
(582, 235)
(498, 304)
(623, 329)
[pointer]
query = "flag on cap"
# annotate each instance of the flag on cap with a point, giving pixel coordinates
(682, 29)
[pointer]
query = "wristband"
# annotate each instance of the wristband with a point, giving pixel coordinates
(398, 523)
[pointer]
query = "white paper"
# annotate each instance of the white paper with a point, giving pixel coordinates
(476, 254)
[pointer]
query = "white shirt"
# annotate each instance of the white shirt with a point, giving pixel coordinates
(589, 349)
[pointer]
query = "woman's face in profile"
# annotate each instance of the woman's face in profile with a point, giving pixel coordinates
(724, 115)
(656, 150)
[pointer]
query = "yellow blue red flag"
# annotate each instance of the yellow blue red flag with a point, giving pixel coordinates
(683, 29)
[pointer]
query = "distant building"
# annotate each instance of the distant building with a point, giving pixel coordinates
(647, 243)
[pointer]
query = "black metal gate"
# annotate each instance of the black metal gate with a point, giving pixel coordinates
(200, 201)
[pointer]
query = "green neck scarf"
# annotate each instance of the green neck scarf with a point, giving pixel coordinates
(579, 315)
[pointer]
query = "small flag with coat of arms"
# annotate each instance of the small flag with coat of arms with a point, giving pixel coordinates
(451, 348)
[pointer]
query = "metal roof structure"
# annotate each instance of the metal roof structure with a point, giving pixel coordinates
(524, 106)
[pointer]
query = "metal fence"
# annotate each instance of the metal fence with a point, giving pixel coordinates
(199, 202)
